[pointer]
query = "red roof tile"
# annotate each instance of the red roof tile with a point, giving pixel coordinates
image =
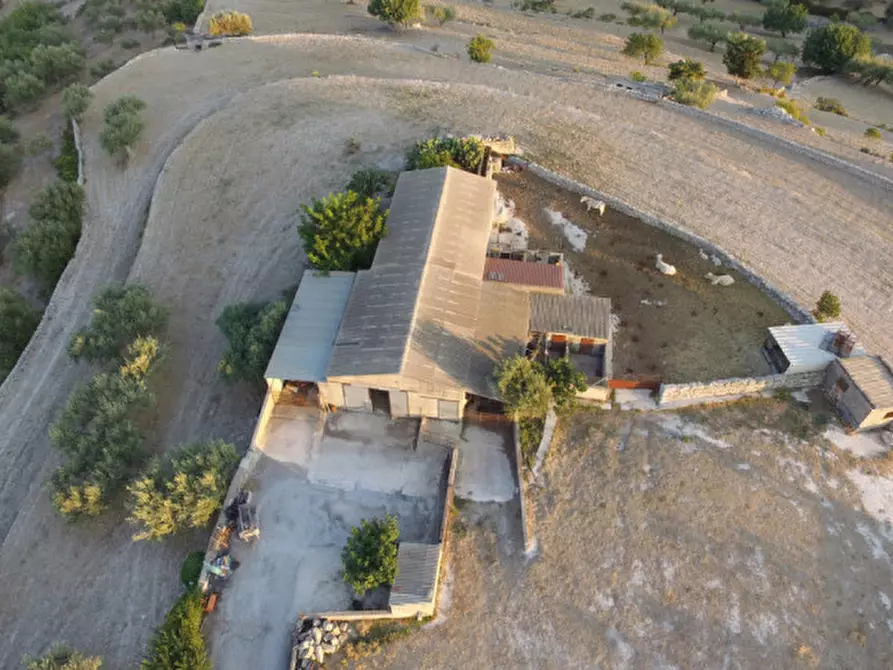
(525, 273)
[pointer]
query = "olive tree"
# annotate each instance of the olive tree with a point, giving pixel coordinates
(124, 125)
(686, 69)
(711, 33)
(75, 101)
(62, 657)
(781, 72)
(18, 321)
(370, 555)
(251, 330)
(784, 18)
(743, 55)
(832, 46)
(400, 13)
(523, 387)
(646, 45)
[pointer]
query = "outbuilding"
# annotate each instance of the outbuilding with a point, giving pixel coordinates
(861, 389)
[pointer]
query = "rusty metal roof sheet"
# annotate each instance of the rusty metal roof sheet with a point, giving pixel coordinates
(873, 377)
(550, 275)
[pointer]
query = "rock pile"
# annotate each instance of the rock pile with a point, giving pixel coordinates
(313, 639)
(778, 114)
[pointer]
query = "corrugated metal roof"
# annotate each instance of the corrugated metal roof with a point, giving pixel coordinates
(305, 343)
(417, 570)
(579, 315)
(525, 273)
(803, 345)
(873, 377)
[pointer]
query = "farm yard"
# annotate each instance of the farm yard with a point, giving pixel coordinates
(236, 138)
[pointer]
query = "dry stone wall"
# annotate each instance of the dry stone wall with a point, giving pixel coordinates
(725, 388)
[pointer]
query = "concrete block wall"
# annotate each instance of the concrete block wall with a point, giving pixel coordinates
(724, 388)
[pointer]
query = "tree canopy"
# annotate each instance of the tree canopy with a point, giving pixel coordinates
(564, 380)
(832, 46)
(178, 643)
(646, 45)
(18, 321)
(370, 555)
(252, 330)
(743, 55)
(341, 231)
(784, 18)
(523, 387)
(686, 69)
(711, 33)
(396, 12)
(62, 657)
(465, 153)
(124, 124)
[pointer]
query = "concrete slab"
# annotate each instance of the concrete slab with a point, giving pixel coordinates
(485, 471)
(634, 399)
(863, 445)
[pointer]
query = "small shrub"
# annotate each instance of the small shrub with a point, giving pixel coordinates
(694, 93)
(743, 55)
(182, 491)
(635, 75)
(341, 231)
(103, 68)
(536, 6)
(147, 20)
(479, 48)
(370, 555)
(873, 133)
(9, 134)
(793, 108)
(75, 101)
(832, 105)
(782, 48)
(440, 15)
(372, 182)
(399, 13)
(607, 18)
(23, 89)
(67, 162)
(827, 307)
(465, 153)
(182, 11)
(178, 642)
(821, 132)
(39, 145)
(121, 315)
(646, 45)
(129, 44)
(43, 249)
(18, 321)
(252, 330)
(123, 125)
(230, 23)
(530, 435)
(781, 72)
(587, 13)
(62, 657)
(191, 569)
(686, 69)
(10, 163)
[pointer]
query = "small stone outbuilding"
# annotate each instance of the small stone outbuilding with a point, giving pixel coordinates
(861, 389)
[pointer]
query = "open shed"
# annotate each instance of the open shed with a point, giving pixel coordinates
(808, 347)
(861, 389)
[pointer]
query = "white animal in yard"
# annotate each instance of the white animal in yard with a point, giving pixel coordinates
(655, 303)
(717, 261)
(664, 268)
(719, 280)
(592, 203)
(703, 255)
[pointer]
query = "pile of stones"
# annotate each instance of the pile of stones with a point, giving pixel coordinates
(314, 639)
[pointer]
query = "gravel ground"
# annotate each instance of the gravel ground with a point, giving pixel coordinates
(779, 212)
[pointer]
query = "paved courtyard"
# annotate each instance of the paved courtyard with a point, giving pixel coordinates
(310, 490)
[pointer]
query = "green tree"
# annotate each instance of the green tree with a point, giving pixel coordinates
(653, 17)
(121, 314)
(711, 33)
(781, 72)
(871, 70)
(22, 89)
(565, 381)
(372, 182)
(784, 17)
(123, 125)
(178, 643)
(523, 387)
(832, 105)
(182, 11)
(686, 69)
(370, 555)
(43, 249)
(184, 490)
(150, 20)
(399, 13)
(708, 14)
(827, 307)
(782, 48)
(9, 134)
(646, 45)
(465, 153)
(75, 101)
(832, 46)
(252, 330)
(341, 231)
(693, 93)
(743, 54)
(230, 22)
(10, 163)
(18, 321)
(57, 64)
(873, 133)
(59, 201)
(745, 20)
(62, 657)
(479, 48)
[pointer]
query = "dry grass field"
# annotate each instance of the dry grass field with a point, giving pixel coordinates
(238, 136)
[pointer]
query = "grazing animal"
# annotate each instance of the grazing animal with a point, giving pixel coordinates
(592, 203)
(719, 280)
(703, 255)
(717, 261)
(655, 303)
(664, 268)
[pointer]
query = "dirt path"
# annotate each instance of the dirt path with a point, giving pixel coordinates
(783, 214)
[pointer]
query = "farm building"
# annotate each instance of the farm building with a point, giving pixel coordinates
(861, 389)
(422, 329)
(811, 347)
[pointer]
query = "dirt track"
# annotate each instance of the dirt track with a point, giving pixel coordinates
(210, 242)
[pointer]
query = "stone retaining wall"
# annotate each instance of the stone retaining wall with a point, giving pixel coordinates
(725, 388)
(76, 131)
(527, 534)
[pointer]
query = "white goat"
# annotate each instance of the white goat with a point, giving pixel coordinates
(592, 203)
(703, 255)
(664, 268)
(717, 261)
(719, 280)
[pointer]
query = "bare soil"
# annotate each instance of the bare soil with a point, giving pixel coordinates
(703, 332)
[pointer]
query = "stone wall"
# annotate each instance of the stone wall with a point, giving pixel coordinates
(526, 528)
(726, 388)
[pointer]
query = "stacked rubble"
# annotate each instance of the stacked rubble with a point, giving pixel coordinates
(314, 639)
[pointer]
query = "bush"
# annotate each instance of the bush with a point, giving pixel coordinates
(565, 381)
(649, 16)
(147, 20)
(862, 20)
(871, 70)
(22, 90)
(123, 125)
(59, 201)
(635, 75)
(588, 13)
(782, 48)
(9, 134)
(18, 321)
(479, 48)
(523, 387)
(103, 68)
(646, 45)
(10, 163)
(784, 17)
(781, 72)
(252, 330)
(57, 64)
(793, 108)
(745, 20)
(832, 46)
(341, 231)
(531, 434)
(370, 555)
(67, 162)
(230, 23)
(43, 249)
(459, 152)
(707, 14)
(185, 490)
(182, 11)
(178, 643)
(395, 12)
(121, 315)
(536, 6)
(75, 101)
(686, 69)
(130, 43)
(873, 133)
(827, 307)
(607, 18)
(372, 182)
(62, 657)
(694, 93)
(441, 15)
(743, 55)
(710, 33)
(191, 569)
(821, 132)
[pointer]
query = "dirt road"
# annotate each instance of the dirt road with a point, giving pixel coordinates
(221, 232)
